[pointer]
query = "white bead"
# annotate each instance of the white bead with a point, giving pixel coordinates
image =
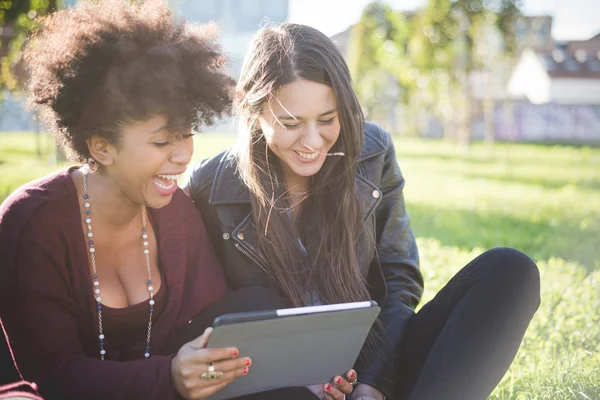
(146, 251)
(145, 243)
(147, 355)
(145, 236)
(150, 288)
(98, 299)
(92, 250)
(88, 221)
(96, 283)
(101, 337)
(151, 302)
(90, 234)
(97, 291)
(87, 205)
(102, 352)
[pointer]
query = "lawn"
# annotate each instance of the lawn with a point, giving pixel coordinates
(543, 200)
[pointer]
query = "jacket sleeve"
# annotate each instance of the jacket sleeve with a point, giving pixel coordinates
(398, 260)
(42, 322)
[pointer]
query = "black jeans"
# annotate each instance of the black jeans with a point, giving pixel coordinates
(458, 346)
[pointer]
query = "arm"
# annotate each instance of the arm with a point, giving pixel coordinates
(41, 316)
(397, 256)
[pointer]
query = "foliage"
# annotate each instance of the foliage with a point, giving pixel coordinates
(378, 57)
(17, 19)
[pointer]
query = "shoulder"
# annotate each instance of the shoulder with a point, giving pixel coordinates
(37, 213)
(376, 141)
(34, 197)
(203, 173)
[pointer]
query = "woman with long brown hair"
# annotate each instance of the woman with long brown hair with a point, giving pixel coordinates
(310, 203)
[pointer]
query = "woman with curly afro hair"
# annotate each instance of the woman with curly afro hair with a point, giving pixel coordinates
(103, 261)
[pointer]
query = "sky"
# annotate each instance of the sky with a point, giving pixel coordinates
(573, 19)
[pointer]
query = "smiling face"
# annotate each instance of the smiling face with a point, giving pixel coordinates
(301, 125)
(148, 161)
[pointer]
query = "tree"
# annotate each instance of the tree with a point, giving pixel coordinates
(17, 19)
(457, 38)
(379, 61)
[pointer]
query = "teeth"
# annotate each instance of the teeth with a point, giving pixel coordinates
(308, 156)
(163, 186)
(172, 177)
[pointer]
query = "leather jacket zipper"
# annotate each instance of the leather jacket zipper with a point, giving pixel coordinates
(253, 258)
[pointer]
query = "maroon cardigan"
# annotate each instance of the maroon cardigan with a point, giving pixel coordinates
(47, 304)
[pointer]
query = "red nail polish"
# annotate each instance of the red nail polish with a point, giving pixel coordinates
(352, 374)
(245, 371)
(338, 380)
(328, 387)
(248, 362)
(235, 352)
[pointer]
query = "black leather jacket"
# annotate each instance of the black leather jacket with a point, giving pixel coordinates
(391, 266)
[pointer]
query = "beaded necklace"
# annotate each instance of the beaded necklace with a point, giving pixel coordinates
(96, 283)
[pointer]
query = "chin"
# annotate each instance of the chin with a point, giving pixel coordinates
(307, 172)
(160, 202)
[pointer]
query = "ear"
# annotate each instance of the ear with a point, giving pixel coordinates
(102, 150)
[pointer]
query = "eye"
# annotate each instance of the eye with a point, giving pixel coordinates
(189, 135)
(291, 127)
(327, 121)
(161, 144)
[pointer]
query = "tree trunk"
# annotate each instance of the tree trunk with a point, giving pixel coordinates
(488, 119)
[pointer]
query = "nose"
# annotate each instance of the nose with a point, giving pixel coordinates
(182, 152)
(312, 138)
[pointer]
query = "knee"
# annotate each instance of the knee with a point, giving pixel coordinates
(513, 271)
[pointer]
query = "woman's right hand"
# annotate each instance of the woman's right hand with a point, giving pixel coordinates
(193, 360)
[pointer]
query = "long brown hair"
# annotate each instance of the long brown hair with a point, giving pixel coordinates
(318, 253)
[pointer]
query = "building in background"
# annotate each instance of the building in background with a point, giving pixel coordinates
(569, 73)
(237, 19)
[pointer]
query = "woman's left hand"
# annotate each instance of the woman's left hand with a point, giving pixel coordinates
(336, 390)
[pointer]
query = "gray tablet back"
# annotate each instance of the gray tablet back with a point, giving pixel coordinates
(294, 351)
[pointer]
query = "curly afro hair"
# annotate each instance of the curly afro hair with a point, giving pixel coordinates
(99, 65)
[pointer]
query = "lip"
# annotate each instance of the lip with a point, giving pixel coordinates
(304, 160)
(159, 184)
(180, 172)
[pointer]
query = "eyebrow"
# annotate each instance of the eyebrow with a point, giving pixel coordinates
(292, 117)
(162, 128)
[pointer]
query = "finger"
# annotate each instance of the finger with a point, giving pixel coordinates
(206, 356)
(331, 393)
(231, 365)
(227, 378)
(201, 341)
(351, 376)
(205, 391)
(342, 385)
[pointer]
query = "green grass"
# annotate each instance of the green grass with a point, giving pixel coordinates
(543, 200)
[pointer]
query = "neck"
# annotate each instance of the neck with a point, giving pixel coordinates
(298, 187)
(109, 202)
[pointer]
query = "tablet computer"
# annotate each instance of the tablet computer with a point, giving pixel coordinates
(295, 346)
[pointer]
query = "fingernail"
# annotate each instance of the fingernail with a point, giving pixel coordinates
(245, 371)
(352, 374)
(235, 352)
(328, 387)
(248, 362)
(338, 380)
